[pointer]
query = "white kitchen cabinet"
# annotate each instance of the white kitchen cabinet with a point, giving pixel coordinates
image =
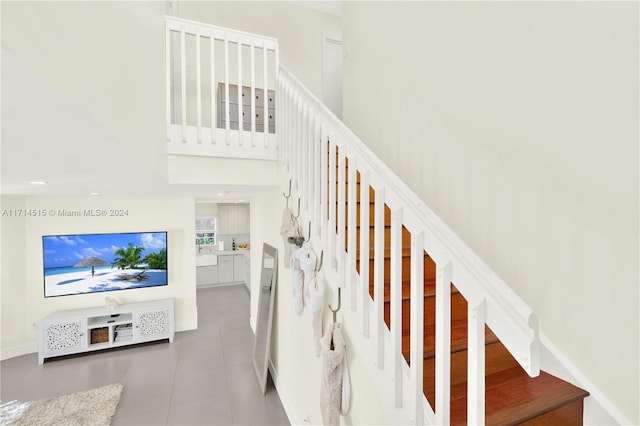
(206, 275)
(233, 219)
(238, 268)
(83, 330)
(225, 269)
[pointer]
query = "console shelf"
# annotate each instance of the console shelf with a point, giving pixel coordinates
(83, 330)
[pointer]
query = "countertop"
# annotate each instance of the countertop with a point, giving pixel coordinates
(238, 252)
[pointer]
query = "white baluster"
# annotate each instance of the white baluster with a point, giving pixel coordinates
(443, 342)
(198, 89)
(240, 100)
(170, 76)
(253, 95)
(378, 273)
(183, 86)
(396, 301)
(364, 250)
(212, 61)
(476, 365)
(352, 227)
(226, 90)
(341, 207)
(417, 326)
(331, 241)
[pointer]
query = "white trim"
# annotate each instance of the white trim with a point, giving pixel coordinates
(598, 409)
(287, 402)
(12, 352)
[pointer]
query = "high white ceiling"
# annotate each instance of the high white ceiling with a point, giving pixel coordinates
(46, 137)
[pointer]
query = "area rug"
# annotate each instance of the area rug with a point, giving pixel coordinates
(90, 408)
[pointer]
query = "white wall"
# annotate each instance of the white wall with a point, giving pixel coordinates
(292, 346)
(23, 302)
(298, 30)
(517, 122)
(107, 58)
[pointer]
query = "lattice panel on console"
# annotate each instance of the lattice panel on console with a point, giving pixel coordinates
(63, 336)
(153, 323)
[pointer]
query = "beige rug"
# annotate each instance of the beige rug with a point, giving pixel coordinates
(90, 408)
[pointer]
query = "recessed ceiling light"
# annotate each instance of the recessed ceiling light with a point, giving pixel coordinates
(221, 194)
(37, 182)
(94, 193)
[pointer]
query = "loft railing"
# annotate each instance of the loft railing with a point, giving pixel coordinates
(217, 104)
(323, 157)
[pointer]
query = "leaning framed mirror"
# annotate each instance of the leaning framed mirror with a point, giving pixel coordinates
(264, 318)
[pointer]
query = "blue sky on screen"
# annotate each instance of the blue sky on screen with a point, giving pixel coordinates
(67, 250)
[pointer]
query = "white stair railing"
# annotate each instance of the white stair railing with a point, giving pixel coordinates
(315, 148)
(220, 87)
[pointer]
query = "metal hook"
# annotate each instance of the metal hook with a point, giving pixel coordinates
(287, 196)
(321, 257)
(298, 215)
(308, 239)
(335, 311)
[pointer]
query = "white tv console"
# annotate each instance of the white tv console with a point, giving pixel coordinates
(83, 330)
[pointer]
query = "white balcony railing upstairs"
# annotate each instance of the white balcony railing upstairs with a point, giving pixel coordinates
(315, 148)
(216, 100)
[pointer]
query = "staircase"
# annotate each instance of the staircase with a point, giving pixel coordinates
(459, 345)
(512, 397)
(445, 339)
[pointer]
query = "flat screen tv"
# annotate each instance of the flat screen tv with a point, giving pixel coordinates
(90, 263)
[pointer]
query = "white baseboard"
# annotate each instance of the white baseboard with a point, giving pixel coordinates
(287, 403)
(29, 348)
(598, 409)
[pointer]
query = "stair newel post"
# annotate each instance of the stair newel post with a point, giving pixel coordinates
(340, 211)
(443, 341)
(364, 250)
(378, 272)
(352, 186)
(476, 363)
(331, 240)
(395, 325)
(417, 325)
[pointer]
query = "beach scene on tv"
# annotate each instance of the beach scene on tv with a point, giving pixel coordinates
(88, 263)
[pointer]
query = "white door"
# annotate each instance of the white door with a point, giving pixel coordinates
(332, 74)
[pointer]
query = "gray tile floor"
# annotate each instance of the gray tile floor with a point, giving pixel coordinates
(205, 377)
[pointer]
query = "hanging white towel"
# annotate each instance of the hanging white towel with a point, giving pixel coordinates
(288, 229)
(315, 307)
(297, 281)
(335, 387)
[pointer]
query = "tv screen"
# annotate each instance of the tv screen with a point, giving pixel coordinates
(90, 263)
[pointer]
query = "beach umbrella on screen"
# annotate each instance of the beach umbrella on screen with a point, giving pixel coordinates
(91, 261)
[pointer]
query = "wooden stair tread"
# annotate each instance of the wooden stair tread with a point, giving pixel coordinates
(513, 397)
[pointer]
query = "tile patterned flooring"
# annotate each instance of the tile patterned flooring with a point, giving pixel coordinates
(205, 377)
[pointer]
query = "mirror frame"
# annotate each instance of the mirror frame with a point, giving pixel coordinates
(264, 317)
